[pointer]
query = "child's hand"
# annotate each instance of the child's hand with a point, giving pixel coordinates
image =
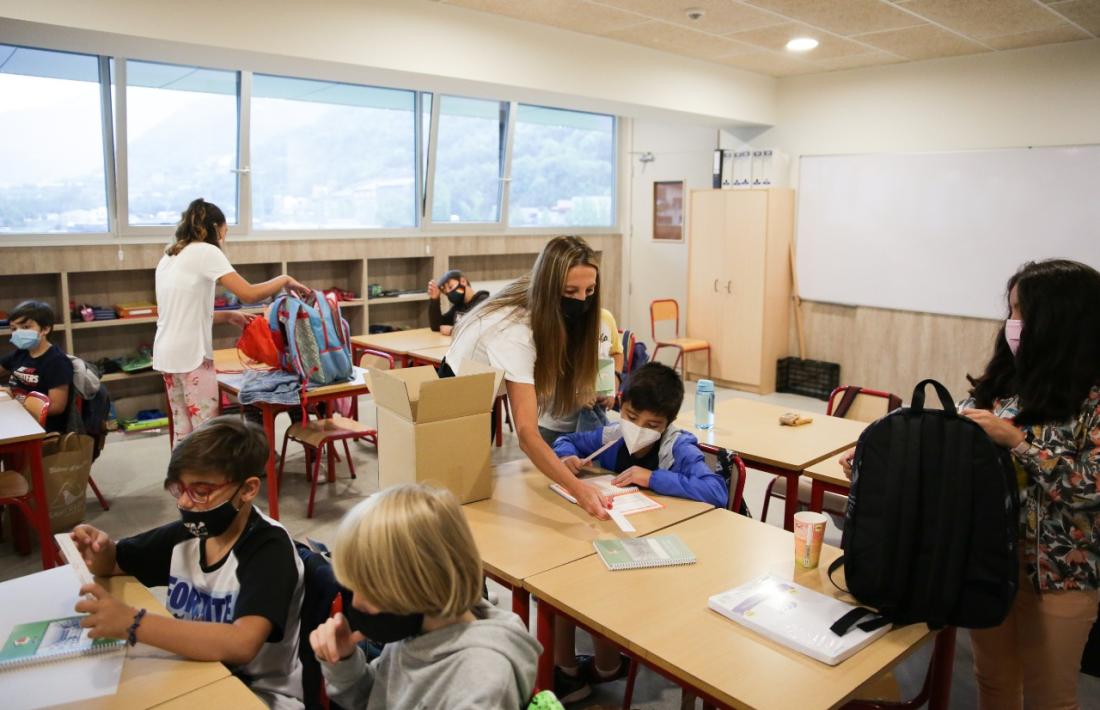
(95, 547)
(846, 463)
(1002, 431)
(573, 463)
(333, 641)
(433, 290)
(107, 617)
(633, 476)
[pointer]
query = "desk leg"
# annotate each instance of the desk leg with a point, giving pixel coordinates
(521, 605)
(817, 496)
(272, 477)
(790, 505)
(544, 632)
(33, 451)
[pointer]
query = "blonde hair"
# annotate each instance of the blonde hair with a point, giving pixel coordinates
(566, 360)
(409, 550)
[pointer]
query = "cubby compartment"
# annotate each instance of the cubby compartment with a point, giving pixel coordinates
(345, 274)
(400, 277)
(109, 288)
(493, 267)
(91, 344)
(15, 289)
(403, 314)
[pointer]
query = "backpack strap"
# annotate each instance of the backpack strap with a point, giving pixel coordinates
(844, 624)
(837, 564)
(846, 401)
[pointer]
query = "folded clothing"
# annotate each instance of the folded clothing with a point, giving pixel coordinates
(271, 386)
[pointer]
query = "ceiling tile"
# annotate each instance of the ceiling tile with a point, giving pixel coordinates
(576, 15)
(679, 40)
(923, 42)
(843, 17)
(1065, 33)
(986, 18)
(776, 38)
(858, 60)
(1085, 13)
(770, 63)
(722, 16)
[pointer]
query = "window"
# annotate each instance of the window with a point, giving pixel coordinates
(181, 140)
(563, 169)
(327, 155)
(469, 160)
(51, 143)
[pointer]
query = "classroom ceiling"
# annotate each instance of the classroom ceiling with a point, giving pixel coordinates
(752, 34)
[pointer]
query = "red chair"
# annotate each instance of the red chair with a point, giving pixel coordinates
(668, 310)
(321, 435)
(16, 491)
(78, 402)
(847, 402)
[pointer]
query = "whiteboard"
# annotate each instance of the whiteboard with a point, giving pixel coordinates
(942, 232)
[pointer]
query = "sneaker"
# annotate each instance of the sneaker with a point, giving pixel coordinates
(570, 689)
(587, 665)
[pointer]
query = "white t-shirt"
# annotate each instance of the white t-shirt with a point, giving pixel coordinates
(185, 303)
(501, 339)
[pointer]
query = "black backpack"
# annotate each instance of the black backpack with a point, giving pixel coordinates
(931, 527)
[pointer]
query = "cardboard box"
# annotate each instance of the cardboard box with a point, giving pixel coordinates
(436, 431)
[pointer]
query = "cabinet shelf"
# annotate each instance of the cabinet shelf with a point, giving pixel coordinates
(410, 298)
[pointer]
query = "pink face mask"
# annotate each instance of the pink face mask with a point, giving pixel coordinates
(1013, 328)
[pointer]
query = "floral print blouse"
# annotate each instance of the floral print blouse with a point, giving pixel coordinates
(1060, 497)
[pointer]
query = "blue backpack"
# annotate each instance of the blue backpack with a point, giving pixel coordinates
(317, 339)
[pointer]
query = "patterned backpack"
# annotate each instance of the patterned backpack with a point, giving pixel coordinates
(318, 340)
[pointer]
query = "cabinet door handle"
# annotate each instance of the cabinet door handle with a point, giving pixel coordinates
(728, 286)
(716, 285)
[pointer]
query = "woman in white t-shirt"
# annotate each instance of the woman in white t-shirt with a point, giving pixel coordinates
(543, 332)
(183, 349)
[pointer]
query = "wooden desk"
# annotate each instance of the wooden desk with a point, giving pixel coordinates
(828, 477)
(752, 429)
(230, 384)
(20, 433)
(526, 528)
(428, 356)
(399, 343)
(151, 676)
(660, 616)
(230, 360)
(225, 693)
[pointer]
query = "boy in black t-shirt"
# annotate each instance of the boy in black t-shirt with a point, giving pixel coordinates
(36, 365)
(233, 575)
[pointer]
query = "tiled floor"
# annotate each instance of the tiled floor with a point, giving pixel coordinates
(131, 472)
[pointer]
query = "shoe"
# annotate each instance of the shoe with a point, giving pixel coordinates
(587, 666)
(570, 689)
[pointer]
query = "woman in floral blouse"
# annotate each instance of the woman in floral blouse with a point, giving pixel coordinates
(1040, 397)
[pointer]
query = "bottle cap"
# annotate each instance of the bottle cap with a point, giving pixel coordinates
(704, 386)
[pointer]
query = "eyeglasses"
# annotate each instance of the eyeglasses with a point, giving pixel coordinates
(198, 492)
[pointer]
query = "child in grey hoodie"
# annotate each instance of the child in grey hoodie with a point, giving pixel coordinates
(408, 556)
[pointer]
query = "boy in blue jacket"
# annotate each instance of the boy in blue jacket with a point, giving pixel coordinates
(650, 453)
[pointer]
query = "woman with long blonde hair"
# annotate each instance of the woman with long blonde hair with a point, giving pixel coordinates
(543, 332)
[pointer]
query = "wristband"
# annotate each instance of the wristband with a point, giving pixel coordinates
(131, 633)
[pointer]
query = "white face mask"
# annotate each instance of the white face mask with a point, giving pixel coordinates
(636, 437)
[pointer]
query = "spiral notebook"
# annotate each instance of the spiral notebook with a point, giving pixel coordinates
(52, 640)
(636, 553)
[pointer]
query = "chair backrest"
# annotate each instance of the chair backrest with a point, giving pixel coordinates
(663, 310)
(375, 360)
(627, 338)
(38, 405)
(737, 477)
(865, 405)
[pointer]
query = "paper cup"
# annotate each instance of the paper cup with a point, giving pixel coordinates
(809, 533)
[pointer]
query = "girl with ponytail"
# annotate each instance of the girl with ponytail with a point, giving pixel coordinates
(183, 348)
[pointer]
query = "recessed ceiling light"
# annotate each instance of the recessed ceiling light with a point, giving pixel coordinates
(801, 44)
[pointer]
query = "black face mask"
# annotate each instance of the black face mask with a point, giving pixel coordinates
(383, 628)
(213, 522)
(457, 297)
(573, 310)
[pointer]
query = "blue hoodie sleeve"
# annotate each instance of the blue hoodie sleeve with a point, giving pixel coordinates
(579, 444)
(690, 476)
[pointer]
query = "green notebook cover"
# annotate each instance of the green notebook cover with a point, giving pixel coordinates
(635, 553)
(51, 640)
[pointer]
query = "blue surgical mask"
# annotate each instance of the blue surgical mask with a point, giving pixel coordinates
(24, 339)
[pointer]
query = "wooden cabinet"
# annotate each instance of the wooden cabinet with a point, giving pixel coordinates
(740, 282)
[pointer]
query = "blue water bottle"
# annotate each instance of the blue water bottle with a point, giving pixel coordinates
(704, 404)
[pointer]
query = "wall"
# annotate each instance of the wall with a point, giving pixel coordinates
(1040, 96)
(408, 43)
(659, 269)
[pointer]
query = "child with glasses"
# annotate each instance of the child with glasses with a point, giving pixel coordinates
(234, 578)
